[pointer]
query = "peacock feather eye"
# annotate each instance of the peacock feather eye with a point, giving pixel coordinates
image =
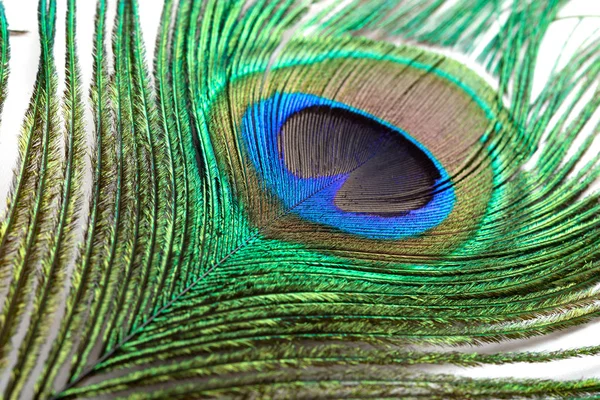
(369, 178)
(389, 146)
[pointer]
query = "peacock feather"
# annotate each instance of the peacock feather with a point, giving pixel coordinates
(301, 199)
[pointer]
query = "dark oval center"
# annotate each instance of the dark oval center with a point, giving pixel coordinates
(388, 174)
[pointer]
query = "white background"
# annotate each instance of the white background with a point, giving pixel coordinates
(22, 15)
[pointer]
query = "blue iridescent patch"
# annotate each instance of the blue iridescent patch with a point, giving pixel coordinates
(312, 198)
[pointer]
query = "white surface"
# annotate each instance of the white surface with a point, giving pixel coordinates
(22, 15)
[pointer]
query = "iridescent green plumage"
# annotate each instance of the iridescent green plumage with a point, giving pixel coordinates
(241, 238)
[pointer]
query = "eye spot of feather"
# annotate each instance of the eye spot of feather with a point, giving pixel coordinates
(340, 167)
